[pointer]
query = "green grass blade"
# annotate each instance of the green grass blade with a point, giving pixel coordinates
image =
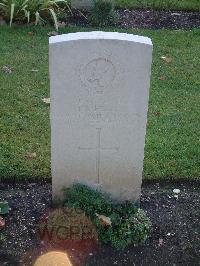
(28, 16)
(12, 10)
(54, 18)
(37, 18)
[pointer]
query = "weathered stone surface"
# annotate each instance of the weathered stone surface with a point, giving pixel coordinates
(99, 102)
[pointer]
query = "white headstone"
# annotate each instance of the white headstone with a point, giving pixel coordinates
(81, 4)
(99, 102)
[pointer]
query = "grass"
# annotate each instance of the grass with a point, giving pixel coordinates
(160, 4)
(171, 150)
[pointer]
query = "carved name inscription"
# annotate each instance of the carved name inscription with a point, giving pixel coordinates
(97, 77)
(93, 107)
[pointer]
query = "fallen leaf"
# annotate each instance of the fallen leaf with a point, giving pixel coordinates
(160, 242)
(105, 220)
(166, 59)
(31, 155)
(162, 78)
(7, 69)
(52, 33)
(46, 100)
(157, 113)
(30, 33)
(2, 222)
(175, 14)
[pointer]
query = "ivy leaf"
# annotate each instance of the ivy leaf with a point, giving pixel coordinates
(4, 207)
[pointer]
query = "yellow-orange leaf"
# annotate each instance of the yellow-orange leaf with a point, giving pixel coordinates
(46, 100)
(30, 33)
(31, 155)
(104, 219)
(166, 59)
(162, 78)
(2, 222)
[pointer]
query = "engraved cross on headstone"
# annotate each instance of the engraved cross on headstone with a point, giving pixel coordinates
(98, 149)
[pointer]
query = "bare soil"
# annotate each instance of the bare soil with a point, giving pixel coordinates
(147, 19)
(175, 239)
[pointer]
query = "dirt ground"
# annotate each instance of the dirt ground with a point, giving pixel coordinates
(175, 238)
(145, 19)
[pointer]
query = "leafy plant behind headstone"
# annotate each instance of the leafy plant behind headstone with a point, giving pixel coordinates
(39, 12)
(102, 13)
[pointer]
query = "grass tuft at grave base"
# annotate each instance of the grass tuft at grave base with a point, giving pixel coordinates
(171, 151)
(189, 5)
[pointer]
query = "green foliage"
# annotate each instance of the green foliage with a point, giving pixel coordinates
(38, 11)
(102, 13)
(130, 225)
(160, 4)
(171, 150)
(4, 207)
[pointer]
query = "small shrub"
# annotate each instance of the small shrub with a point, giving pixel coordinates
(129, 224)
(102, 13)
(37, 11)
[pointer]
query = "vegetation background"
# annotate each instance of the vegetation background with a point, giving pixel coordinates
(173, 128)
